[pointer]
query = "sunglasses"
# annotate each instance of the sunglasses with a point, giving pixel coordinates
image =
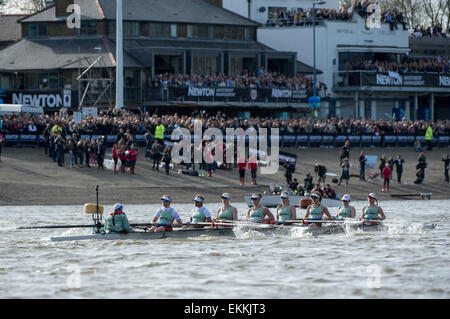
(224, 197)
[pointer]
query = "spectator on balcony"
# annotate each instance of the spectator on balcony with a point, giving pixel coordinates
(401, 20)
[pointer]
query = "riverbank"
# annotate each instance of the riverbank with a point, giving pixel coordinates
(29, 177)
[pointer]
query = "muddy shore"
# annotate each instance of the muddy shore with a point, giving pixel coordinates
(29, 177)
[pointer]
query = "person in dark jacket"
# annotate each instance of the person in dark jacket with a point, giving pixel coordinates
(100, 153)
(399, 168)
(167, 158)
(446, 161)
(320, 173)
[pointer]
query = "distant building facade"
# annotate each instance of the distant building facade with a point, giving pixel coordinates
(75, 66)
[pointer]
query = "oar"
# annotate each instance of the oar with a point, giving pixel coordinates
(57, 226)
(75, 226)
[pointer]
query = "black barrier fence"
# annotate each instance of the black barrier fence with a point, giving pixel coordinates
(287, 140)
(227, 94)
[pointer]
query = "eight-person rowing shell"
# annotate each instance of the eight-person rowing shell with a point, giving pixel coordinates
(285, 211)
(346, 210)
(316, 210)
(258, 213)
(371, 211)
(166, 215)
(227, 213)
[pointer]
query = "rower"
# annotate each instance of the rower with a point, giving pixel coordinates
(257, 213)
(227, 213)
(316, 209)
(371, 211)
(117, 221)
(346, 211)
(285, 211)
(166, 216)
(201, 214)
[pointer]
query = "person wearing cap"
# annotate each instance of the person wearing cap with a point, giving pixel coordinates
(346, 211)
(201, 214)
(117, 221)
(166, 215)
(257, 213)
(285, 211)
(227, 212)
(316, 210)
(371, 211)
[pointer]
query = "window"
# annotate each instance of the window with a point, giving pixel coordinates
(227, 33)
(200, 31)
(250, 34)
(88, 27)
(130, 29)
(37, 29)
(219, 32)
(182, 31)
(237, 33)
(160, 30)
(173, 30)
(144, 29)
(237, 65)
(204, 64)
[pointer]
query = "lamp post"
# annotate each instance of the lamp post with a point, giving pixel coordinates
(119, 55)
(314, 49)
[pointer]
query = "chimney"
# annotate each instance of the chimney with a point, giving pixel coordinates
(61, 7)
(218, 3)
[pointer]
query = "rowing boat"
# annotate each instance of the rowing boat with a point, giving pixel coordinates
(227, 232)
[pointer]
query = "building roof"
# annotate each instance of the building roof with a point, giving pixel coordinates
(306, 69)
(90, 10)
(176, 11)
(61, 53)
(189, 11)
(10, 29)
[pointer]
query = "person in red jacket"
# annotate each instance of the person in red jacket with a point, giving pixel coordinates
(253, 167)
(115, 156)
(123, 158)
(132, 155)
(241, 163)
(387, 176)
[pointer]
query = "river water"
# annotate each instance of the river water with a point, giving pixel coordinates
(404, 261)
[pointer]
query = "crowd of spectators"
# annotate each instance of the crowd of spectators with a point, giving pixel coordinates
(259, 79)
(435, 31)
(304, 17)
(390, 15)
(407, 64)
(114, 122)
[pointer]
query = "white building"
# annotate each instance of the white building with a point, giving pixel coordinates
(368, 94)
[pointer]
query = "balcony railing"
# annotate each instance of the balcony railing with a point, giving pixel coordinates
(358, 79)
(227, 94)
(292, 22)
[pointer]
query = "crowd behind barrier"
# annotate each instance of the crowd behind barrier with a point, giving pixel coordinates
(435, 31)
(304, 17)
(259, 79)
(406, 65)
(25, 129)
